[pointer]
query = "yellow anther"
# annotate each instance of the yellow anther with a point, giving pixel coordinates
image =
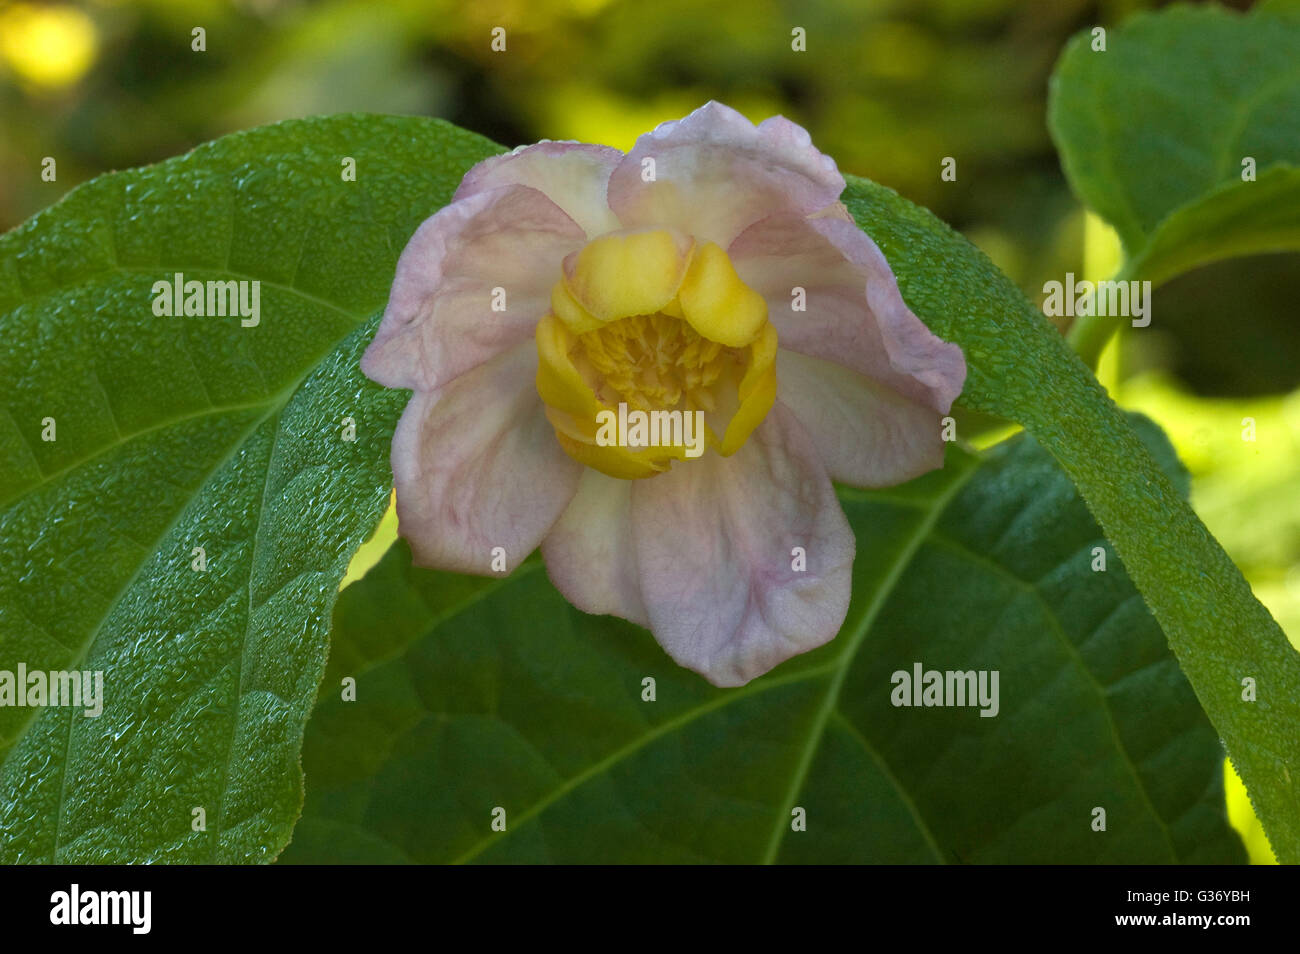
(646, 321)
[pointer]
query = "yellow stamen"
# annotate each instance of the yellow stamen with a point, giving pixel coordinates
(648, 320)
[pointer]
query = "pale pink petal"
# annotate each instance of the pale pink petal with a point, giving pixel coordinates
(477, 466)
(715, 544)
(589, 553)
(715, 173)
(866, 434)
(854, 313)
(575, 176)
(440, 320)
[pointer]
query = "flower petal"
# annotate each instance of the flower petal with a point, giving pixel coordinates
(633, 272)
(714, 546)
(854, 314)
(440, 320)
(477, 466)
(715, 173)
(716, 303)
(589, 553)
(866, 434)
(573, 175)
(755, 392)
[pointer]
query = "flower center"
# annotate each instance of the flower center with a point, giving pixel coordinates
(653, 351)
(653, 362)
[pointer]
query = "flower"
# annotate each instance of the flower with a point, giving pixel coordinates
(711, 271)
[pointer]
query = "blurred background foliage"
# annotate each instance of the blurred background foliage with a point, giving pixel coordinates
(888, 87)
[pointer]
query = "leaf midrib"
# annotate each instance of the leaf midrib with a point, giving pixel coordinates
(844, 661)
(219, 816)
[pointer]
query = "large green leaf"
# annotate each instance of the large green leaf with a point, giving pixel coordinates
(466, 701)
(1021, 369)
(175, 433)
(1153, 131)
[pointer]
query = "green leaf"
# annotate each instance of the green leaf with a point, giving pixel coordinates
(176, 433)
(465, 702)
(1153, 132)
(1236, 218)
(1020, 368)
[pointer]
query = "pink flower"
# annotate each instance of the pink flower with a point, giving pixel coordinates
(710, 272)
